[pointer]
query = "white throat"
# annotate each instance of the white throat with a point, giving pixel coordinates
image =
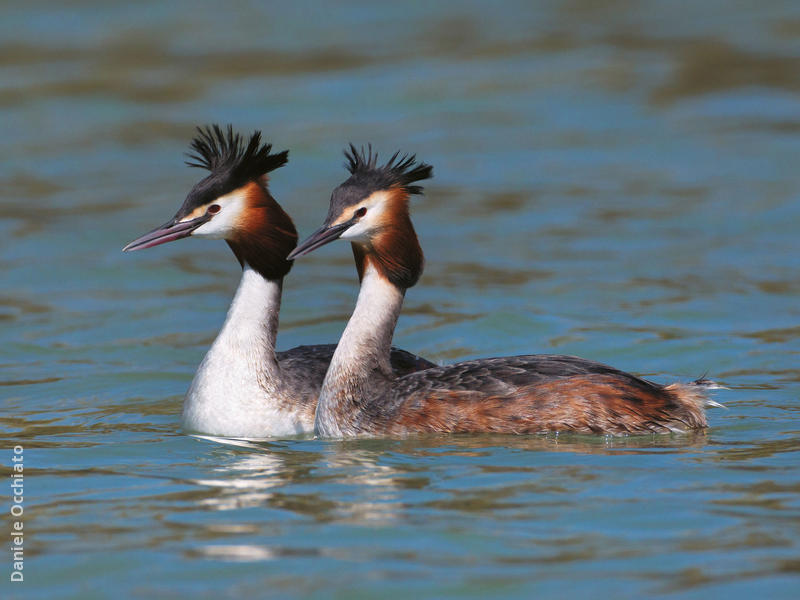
(362, 354)
(235, 392)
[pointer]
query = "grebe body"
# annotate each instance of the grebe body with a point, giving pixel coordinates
(243, 387)
(520, 394)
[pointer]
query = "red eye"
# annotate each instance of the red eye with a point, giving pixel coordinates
(361, 212)
(214, 209)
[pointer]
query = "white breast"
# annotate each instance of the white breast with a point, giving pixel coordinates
(236, 390)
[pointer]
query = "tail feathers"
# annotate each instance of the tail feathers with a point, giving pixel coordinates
(708, 384)
(693, 399)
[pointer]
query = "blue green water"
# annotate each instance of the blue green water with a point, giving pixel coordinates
(616, 180)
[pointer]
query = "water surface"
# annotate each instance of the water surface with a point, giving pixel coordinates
(616, 180)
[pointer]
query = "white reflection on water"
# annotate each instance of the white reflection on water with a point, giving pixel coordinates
(241, 552)
(253, 479)
(250, 477)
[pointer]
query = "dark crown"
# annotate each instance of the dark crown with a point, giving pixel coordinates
(226, 155)
(399, 171)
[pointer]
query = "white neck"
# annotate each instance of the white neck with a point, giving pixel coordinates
(361, 358)
(238, 379)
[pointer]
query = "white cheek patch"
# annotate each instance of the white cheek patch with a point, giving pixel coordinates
(371, 221)
(224, 223)
(357, 233)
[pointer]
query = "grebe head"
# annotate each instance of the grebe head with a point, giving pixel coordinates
(233, 202)
(370, 209)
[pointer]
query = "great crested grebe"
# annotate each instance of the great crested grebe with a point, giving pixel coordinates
(517, 394)
(244, 388)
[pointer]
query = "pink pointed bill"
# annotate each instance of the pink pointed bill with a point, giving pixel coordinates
(166, 233)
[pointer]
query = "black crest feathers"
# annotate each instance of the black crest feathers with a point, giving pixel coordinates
(399, 170)
(227, 156)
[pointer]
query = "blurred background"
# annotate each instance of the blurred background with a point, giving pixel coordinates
(615, 179)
